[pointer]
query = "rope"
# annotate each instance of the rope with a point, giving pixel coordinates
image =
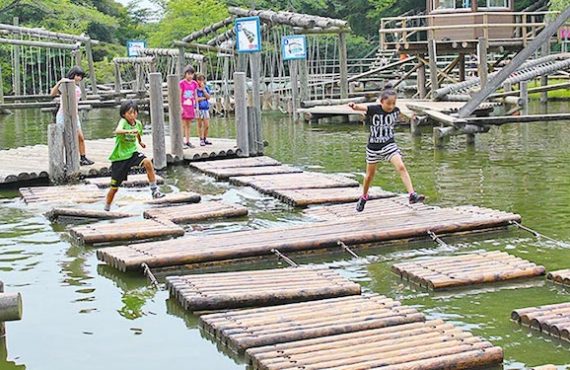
(536, 233)
(284, 258)
(436, 239)
(148, 273)
(346, 249)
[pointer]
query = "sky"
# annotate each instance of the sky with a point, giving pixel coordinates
(142, 3)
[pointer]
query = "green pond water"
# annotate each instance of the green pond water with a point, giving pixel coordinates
(79, 314)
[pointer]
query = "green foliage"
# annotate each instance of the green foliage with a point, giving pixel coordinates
(559, 5)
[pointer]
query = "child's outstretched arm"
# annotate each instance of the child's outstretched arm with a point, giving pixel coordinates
(358, 107)
(120, 131)
(139, 138)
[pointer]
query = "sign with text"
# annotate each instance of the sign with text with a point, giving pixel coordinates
(294, 47)
(248, 35)
(134, 47)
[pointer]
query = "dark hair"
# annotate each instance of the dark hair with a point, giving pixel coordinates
(200, 77)
(387, 94)
(127, 106)
(189, 69)
(75, 71)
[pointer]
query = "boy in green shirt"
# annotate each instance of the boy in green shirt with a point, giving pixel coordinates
(125, 154)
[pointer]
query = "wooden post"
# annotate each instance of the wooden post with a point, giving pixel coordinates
(226, 84)
(175, 118)
(342, 57)
(92, 77)
(304, 80)
(2, 326)
(432, 55)
(157, 121)
(524, 97)
(56, 156)
(17, 66)
(240, 97)
(117, 80)
(10, 307)
(241, 64)
(255, 66)
(482, 56)
(544, 79)
(251, 139)
(421, 80)
(294, 88)
(180, 62)
(1, 87)
(77, 55)
(70, 139)
(462, 67)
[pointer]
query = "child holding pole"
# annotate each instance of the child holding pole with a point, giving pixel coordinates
(125, 154)
(381, 145)
(188, 87)
(203, 95)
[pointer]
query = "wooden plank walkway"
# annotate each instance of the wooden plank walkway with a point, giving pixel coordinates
(196, 212)
(468, 269)
(95, 214)
(552, 319)
(117, 232)
(307, 197)
(226, 173)
(269, 184)
(226, 290)
(431, 345)
(235, 163)
(138, 180)
(356, 229)
(62, 194)
(243, 329)
(560, 277)
(16, 164)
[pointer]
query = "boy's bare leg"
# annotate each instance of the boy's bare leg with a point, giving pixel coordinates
(110, 196)
(370, 172)
(147, 164)
(401, 168)
(81, 140)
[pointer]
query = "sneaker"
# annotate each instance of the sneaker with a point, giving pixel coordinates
(207, 142)
(157, 194)
(85, 162)
(188, 145)
(416, 198)
(360, 204)
(202, 142)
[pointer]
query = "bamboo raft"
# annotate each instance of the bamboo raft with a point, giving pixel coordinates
(307, 197)
(227, 173)
(196, 212)
(261, 161)
(467, 269)
(270, 184)
(17, 167)
(220, 291)
(62, 194)
(559, 277)
(183, 197)
(118, 232)
(78, 213)
(244, 329)
(552, 319)
(138, 180)
(431, 345)
(410, 223)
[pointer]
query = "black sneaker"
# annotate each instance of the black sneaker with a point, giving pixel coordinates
(85, 162)
(157, 194)
(360, 204)
(207, 142)
(416, 198)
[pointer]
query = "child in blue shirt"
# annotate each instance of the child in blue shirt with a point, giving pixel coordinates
(203, 95)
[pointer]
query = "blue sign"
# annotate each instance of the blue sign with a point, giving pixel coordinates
(294, 47)
(134, 47)
(248, 35)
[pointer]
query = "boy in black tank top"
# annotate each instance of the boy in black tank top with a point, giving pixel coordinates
(381, 146)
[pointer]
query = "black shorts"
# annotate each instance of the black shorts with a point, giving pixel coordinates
(120, 169)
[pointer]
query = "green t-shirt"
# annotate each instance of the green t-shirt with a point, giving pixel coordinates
(126, 144)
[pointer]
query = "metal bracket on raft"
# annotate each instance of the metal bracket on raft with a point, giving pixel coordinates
(437, 239)
(347, 249)
(148, 273)
(284, 258)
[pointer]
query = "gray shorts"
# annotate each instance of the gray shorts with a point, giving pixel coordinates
(203, 114)
(59, 120)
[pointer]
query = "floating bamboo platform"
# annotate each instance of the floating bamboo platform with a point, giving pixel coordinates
(226, 173)
(270, 184)
(307, 197)
(94, 214)
(117, 232)
(196, 212)
(17, 167)
(220, 291)
(62, 194)
(411, 222)
(468, 269)
(183, 197)
(560, 276)
(133, 181)
(552, 319)
(431, 345)
(256, 327)
(235, 163)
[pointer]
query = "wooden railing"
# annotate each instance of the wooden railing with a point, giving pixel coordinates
(396, 31)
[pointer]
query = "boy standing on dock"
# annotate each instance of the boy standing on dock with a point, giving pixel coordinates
(188, 87)
(125, 155)
(381, 145)
(203, 95)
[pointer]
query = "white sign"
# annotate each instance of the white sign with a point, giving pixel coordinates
(134, 47)
(294, 47)
(248, 35)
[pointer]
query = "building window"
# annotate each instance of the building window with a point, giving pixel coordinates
(486, 4)
(452, 4)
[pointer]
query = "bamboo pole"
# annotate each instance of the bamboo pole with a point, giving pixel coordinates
(16, 83)
(10, 307)
(39, 44)
(294, 88)
(174, 118)
(342, 55)
(157, 121)
(523, 97)
(1, 87)
(92, 77)
(240, 98)
(255, 68)
(209, 29)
